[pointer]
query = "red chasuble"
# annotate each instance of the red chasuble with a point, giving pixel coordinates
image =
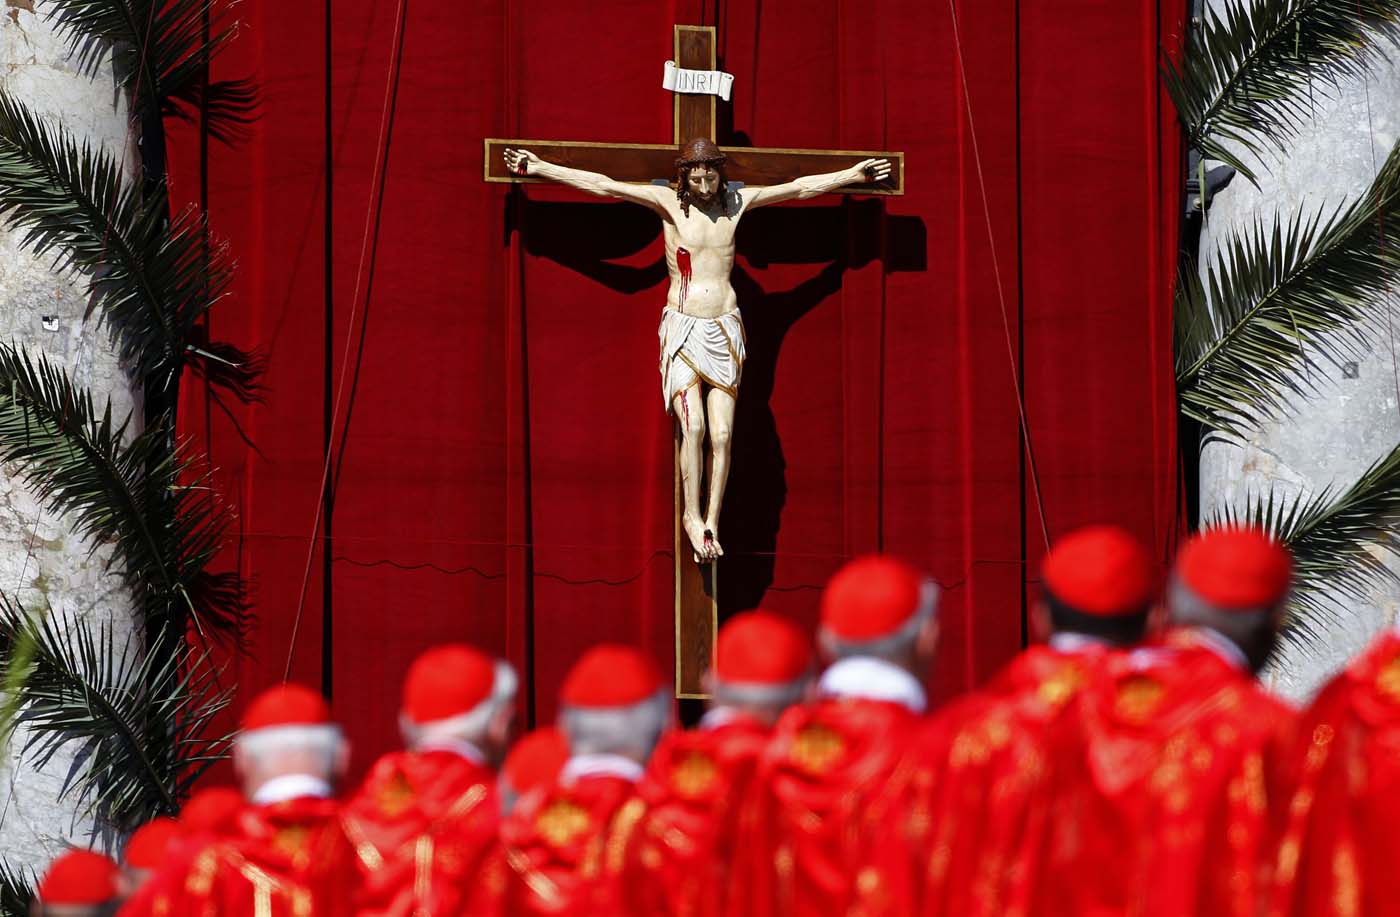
(961, 823)
(802, 831)
(562, 847)
(287, 859)
(679, 859)
(1340, 852)
(1162, 806)
(422, 825)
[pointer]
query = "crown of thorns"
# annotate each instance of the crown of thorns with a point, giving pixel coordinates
(700, 151)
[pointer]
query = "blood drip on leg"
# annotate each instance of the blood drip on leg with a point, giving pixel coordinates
(685, 409)
(683, 264)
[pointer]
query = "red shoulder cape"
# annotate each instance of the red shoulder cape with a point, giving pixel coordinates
(422, 825)
(1340, 849)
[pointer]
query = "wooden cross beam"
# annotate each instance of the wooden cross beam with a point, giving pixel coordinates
(697, 611)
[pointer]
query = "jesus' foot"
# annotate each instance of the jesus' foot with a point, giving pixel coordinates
(712, 537)
(704, 548)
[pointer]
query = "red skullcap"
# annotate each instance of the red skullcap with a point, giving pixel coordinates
(871, 597)
(609, 675)
(1235, 568)
(761, 648)
(211, 810)
(79, 877)
(447, 681)
(147, 846)
(286, 705)
(1099, 570)
(536, 759)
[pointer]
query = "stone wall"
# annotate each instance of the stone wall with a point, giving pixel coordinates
(40, 559)
(1355, 418)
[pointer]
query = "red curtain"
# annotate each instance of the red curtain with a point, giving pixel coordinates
(501, 467)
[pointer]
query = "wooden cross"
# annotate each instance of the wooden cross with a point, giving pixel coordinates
(697, 611)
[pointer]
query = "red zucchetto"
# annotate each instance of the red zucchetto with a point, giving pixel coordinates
(79, 877)
(286, 705)
(1235, 568)
(610, 675)
(873, 597)
(1099, 570)
(761, 648)
(447, 681)
(148, 844)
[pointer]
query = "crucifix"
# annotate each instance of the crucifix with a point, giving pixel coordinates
(702, 339)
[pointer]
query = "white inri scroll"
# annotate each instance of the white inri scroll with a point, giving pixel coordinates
(697, 82)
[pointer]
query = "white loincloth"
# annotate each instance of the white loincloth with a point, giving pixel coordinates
(708, 349)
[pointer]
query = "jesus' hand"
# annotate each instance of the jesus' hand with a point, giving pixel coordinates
(873, 170)
(521, 162)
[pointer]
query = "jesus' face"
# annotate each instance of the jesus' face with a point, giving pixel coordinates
(703, 182)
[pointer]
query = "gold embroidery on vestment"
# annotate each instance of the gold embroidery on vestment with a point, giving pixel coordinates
(562, 821)
(817, 748)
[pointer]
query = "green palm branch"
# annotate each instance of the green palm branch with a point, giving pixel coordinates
(163, 520)
(16, 890)
(1339, 537)
(160, 55)
(151, 277)
(139, 718)
(1249, 71)
(1277, 292)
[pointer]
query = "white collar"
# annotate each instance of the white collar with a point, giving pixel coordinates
(873, 679)
(459, 747)
(1065, 641)
(1222, 646)
(603, 765)
(291, 786)
(716, 717)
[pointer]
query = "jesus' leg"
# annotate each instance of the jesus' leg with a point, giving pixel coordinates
(690, 415)
(720, 411)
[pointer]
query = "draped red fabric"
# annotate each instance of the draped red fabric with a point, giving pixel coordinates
(501, 466)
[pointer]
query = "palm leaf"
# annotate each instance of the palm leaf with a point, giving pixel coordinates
(151, 277)
(163, 521)
(1339, 537)
(16, 890)
(160, 55)
(1277, 292)
(1249, 71)
(138, 718)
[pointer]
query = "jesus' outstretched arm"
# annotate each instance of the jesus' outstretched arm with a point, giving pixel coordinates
(523, 162)
(809, 186)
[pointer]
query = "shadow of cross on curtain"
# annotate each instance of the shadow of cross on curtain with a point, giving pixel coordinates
(574, 236)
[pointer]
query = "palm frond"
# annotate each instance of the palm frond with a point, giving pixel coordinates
(164, 521)
(138, 718)
(160, 55)
(16, 890)
(1249, 71)
(1339, 537)
(150, 276)
(1277, 292)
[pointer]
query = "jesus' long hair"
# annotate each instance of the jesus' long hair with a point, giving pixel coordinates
(683, 183)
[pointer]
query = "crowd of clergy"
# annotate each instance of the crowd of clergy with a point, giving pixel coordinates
(1128, 763)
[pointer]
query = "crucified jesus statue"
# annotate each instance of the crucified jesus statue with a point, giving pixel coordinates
(702, 335)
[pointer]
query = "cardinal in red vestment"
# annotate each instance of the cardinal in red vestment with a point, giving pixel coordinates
(79, 883)
(425, 818)
(146, 851)
(286, 853)
(1340, 849)
(534, 760)
(679, 859)
(962, 820)
(561, 849)
(802, 829)
(1164, 796)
